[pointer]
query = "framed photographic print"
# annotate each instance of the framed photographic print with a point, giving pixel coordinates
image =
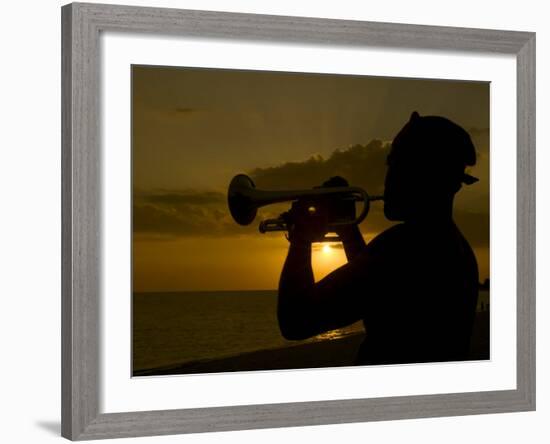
(204, 285)
(277, 221)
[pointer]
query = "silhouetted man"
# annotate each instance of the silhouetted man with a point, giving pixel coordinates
(415, 285)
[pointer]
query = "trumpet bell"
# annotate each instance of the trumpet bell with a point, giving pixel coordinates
(241, 207)
(244, 200)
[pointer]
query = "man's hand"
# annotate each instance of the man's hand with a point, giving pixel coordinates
(342, 207)
(306, 222)
(349, 234)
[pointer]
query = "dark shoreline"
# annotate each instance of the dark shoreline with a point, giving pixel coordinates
(328, 353)
(339, 352)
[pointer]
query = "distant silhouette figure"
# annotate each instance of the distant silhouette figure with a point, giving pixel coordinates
(415, 286)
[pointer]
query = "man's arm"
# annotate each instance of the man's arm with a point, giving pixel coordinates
(306, 308)
(350, 235)
(296, 293)
(353, 241)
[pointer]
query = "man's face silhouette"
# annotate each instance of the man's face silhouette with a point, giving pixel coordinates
(405, 176)
(424, 170)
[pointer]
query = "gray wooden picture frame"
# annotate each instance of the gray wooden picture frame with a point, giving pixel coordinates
(81, 172)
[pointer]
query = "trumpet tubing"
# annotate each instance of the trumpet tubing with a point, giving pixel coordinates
(244, 199)
(279, 224)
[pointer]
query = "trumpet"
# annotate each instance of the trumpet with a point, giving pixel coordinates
(244, 199)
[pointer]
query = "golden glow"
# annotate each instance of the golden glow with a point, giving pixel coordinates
(209, 263)
(187, 240)
(326, 258)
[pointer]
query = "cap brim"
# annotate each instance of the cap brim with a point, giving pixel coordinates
(468, 180)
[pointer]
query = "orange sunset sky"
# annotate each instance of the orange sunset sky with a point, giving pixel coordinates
(194, 129)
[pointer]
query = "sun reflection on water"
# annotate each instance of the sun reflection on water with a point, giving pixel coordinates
(332, 334)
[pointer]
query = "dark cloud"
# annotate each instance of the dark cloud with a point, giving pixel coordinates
(361, 165)
(183, 213)
(186, 110)
(183, 198)
(365, 166)
(205, 212)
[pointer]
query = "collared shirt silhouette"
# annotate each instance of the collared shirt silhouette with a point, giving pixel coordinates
(415, 285)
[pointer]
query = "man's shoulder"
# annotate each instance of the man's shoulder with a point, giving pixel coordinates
(395, 233)
(388, 243)
(382, 253)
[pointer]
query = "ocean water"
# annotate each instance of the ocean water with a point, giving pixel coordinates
(181, 327)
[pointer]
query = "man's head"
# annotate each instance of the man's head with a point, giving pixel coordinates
(426, 167)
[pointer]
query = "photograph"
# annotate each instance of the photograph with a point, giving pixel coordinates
(290, 220)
